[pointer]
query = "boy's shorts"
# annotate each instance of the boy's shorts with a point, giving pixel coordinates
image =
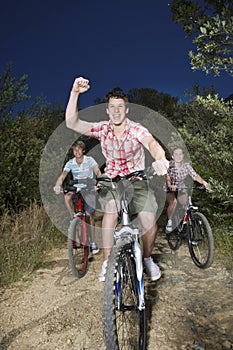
(141, 196)
(89, 197)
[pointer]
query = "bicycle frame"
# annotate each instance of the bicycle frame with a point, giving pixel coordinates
(78, 236)
(187, 215)
(80, 213)
(80, 204)
(130, 235)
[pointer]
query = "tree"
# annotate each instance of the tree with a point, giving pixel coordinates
(23, 135)
(202, 115)
(151, 98)
(207, 133)
(12, 92)
(211, 29)
(157, 101)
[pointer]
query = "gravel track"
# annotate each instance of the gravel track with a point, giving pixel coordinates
(188, 308)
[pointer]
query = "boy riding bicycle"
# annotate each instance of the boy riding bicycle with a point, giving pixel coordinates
(81, 167)
(122, 142)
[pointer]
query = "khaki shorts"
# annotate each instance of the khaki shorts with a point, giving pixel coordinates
(141, 196)
(89, 198)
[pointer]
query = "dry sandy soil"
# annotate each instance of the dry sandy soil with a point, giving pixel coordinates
(189, 308)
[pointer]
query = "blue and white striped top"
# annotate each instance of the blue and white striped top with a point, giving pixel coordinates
(82, 171)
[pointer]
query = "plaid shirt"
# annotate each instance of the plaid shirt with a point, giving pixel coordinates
(177, 177)
(126, 155)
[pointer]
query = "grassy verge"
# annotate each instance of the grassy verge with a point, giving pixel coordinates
(25, 240)
(223, 241)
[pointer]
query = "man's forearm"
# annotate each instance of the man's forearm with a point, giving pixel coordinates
(71, 114)
(161, 163)
(156, 150)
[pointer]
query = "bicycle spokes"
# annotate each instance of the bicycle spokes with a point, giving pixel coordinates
(201, 244)
(125, 317)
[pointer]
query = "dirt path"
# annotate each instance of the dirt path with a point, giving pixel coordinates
(189, 308)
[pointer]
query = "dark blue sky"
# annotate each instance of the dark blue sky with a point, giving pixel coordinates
(126, 43)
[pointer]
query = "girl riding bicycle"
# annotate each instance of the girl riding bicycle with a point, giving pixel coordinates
(177, 173)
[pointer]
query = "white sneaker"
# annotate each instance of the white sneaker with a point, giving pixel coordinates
(103, 271)
(94, 248)
(169, 226)
(152, 270)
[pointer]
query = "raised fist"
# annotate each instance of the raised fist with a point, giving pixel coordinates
(80, 85)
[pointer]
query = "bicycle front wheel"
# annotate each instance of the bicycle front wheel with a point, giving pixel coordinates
(174, 239)
(200, 241)
(78, 247)
(124, 323)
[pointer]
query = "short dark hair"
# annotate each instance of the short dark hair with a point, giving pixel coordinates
(117, 92)
(80, 144)
(174, 149)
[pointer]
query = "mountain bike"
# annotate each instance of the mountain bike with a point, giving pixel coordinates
(192, 226)
(124, 300)
(79, 239)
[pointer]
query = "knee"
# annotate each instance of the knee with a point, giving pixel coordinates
(148, 222)
(68, 197)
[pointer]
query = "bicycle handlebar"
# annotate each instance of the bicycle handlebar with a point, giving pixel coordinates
(143, 174)
(87, 181)
(70, 189)
(91, 183)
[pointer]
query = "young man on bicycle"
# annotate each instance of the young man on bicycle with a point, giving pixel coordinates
(177, 173)
(122, 142)
(81, 167)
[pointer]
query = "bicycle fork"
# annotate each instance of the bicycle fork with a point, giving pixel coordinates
(191, 237)
(139, 271)
(137, 254)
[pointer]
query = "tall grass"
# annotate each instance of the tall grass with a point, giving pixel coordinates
(25, 238)
(223, 240)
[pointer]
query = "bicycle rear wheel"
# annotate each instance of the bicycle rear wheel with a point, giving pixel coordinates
(200, 241)
(78, 247)
(124, 323)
